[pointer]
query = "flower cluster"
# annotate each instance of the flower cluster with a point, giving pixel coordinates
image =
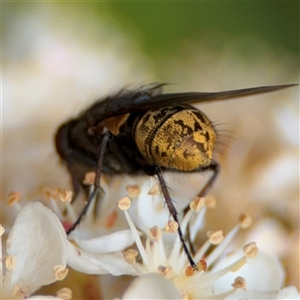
(38, 251)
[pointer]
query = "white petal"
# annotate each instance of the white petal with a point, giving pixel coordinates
(262, 273)
(148, 210)
(116, 241)
(151, 286)
(271, 237)
(44, 297)
(289, 292)
(109, 263)
(38, 241)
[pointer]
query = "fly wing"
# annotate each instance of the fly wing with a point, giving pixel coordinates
(147, 99)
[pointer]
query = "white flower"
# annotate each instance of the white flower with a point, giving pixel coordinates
(161, 267)
(95, 247)
(36, 252)
(164, 271)
(152, 286)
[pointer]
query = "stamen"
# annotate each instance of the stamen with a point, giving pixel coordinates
(219, 296)
(50, 193)
(55, 207)
(155, 190)
(239, 283)
(66, 196)
(175, 255)
(2, 230)
(213, 276)
(216, 237)
(210, 201)
(220, 248)
(148, 249)
(124, 203)
(71, 212)
(200, 253)
(89, 178)
(189, 271)
(18, 293)
(202, 265)
(13, 198)
(245, 221)
(64, 293)
(10, 262)
(171, 227)
(155, 233)
(198, 223)
(90, 212)
(60, 272)
(168, 272)
(238, 265)
(197, 203)
(250, 250)
(161, 269)
(185, 295)
(130, 255)
(133, 191)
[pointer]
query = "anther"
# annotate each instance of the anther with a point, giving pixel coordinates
(10, 262)
(239, 283)
(13, 198)
(64, 293)
(210, 201)
(66, 196)
(197, 203)
(89, 178)
(202, 265)
(215, 237)
(171, 227)
(124, 203)
(155, 233)
(250, 250)
(189, 271)
(130, 255)
(155, 190)
(133, 191)
(245, 221)
(60, 272)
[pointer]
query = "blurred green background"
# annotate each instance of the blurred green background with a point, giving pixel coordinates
(161, 29)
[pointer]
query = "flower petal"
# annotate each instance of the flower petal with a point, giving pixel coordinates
(289, 292)
(113, 263)
(116, 241)
(263, 266)
(44, 297)
(151, 286)
(149, 210)
(38, 242)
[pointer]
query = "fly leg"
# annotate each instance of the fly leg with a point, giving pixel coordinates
(174, 214)
(96, 185)
(215, 168)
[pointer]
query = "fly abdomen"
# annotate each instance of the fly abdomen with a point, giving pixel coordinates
(180, 138)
